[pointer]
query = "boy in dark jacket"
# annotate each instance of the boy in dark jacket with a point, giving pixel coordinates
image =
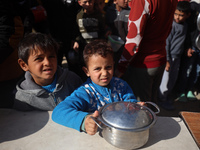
(45, 84)
(190, 63)
(174, 48)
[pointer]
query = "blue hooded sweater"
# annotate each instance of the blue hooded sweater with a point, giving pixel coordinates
(88, 98)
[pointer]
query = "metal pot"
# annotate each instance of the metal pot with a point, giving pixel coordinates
(126, 124)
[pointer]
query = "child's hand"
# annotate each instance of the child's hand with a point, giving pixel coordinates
(190, 52)
(90, 126)
(76, 46)
(107, 34)
(141, 103)
(167, 67)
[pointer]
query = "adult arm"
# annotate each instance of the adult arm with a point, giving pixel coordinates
(136, 25)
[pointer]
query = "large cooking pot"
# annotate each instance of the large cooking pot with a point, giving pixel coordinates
(126, 124)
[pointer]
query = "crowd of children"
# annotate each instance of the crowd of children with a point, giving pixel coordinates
(79, 31)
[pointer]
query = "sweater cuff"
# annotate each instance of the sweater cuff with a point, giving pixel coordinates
(83, 124)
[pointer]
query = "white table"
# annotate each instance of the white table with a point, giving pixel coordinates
(36, 131)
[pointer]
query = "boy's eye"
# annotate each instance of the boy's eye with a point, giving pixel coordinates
(38, 58)
(108, 67)
(97, 68)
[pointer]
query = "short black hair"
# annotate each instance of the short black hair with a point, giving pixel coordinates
(35, 42)
(96, 47)
(183, 6)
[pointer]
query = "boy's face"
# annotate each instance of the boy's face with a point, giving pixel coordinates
(99, 5)
(121, 3)
(180, 17)
(88, 5)
(42, 66)
(100, 69)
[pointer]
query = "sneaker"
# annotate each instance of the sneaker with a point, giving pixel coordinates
(191, 96)
(182, 98)
(166, 105)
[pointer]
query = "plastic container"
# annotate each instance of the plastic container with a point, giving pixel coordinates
(115, 42)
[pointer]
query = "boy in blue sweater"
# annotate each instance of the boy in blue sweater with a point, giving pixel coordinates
(101, 88)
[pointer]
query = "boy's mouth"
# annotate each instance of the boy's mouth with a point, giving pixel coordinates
(48, 70)
(104, 79)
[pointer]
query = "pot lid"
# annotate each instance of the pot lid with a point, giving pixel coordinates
(126, 115)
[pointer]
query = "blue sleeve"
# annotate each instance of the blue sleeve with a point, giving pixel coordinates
(72, 110)
(128, 93)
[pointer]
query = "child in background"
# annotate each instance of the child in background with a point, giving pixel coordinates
(91, 25)
(190, 63)
(99, 6)
(101, 88)
(117, 18)
(174, 48)
(117, 21)
(45, 84)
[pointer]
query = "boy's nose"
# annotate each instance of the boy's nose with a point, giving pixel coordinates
(46, 61)
(104, 72)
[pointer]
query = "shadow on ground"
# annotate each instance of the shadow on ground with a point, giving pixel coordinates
(21, 124)
(191, 106)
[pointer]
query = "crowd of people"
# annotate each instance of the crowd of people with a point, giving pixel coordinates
(159, 55)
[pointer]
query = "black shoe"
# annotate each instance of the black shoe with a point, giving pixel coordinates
(166, 105)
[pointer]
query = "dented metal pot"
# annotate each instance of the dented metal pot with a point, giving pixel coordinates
(126, 124)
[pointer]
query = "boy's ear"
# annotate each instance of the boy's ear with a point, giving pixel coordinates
(115, 1)
(23, 65)
(86, 71)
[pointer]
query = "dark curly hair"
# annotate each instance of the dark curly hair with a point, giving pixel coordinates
(96, 47)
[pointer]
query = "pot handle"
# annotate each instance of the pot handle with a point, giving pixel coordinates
(95, 120)
(156, 106)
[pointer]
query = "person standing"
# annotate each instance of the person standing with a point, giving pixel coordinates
(11, 32)
(174, 48)
(190, 63)
(144, 56)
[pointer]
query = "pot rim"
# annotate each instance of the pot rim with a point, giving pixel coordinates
(106, 124)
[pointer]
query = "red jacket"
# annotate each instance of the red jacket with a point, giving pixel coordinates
(149, 24)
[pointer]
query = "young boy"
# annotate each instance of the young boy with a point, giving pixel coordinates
(91, 24)
(117, 21)
(101, 88)
(190, 62)
(99, 6)
(174, 47)
(117, 18)
(45, 84)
